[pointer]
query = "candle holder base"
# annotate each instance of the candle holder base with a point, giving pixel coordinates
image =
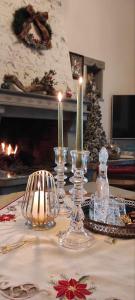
(76, 239)
(45, 226)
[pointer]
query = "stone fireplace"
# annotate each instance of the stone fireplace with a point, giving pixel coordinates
(29, 122)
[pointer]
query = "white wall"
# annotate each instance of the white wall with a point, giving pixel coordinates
(105, 30)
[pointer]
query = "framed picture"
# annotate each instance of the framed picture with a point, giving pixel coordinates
(77, 62)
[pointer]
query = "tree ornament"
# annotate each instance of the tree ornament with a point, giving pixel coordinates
(68, 92)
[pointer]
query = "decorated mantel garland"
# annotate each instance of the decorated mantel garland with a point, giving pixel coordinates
(24, 18)
(46, 84)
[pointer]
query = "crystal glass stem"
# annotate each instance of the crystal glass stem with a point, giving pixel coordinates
(60, 160)
(83, 155)
(77, 215)
(76, 237)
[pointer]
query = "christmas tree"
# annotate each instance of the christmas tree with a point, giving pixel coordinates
(94, 135)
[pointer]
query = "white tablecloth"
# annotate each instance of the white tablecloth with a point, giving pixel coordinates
(37, 266)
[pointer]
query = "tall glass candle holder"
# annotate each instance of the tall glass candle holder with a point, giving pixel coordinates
(77, 237)
(76, 157)
(60, 160)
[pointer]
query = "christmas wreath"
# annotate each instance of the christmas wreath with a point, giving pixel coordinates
(24, 18)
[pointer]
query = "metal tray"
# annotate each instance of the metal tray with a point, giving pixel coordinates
(126, 232)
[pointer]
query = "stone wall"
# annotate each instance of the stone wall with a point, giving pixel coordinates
(26, 64)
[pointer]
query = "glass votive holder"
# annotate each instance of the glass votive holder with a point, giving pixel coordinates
(82, 157)
(40, 204)
(108, 211)
(61, 155)
(101, 209)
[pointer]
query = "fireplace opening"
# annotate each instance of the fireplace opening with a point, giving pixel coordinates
(27, 145)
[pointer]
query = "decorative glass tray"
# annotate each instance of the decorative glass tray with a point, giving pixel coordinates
(125, 231)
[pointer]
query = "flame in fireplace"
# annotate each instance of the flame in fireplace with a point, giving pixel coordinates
(3, 147)
(8, 149)
(16, 148)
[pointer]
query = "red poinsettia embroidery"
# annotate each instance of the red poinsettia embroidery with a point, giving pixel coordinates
(71, 289)
(7, 217)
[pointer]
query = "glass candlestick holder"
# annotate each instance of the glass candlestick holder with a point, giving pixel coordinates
(75, 160)
(40, 204)
(77, 237)
(60, 160)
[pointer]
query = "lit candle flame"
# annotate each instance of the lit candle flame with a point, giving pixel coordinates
(9, 175)
(80, 80)
(60, 96)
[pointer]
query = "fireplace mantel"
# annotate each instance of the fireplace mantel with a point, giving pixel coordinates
(15, 103)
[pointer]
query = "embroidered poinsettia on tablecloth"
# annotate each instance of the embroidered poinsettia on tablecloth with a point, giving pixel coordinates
(7, 217)
(72, 289)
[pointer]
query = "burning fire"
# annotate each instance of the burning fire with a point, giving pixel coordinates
(8, 149)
